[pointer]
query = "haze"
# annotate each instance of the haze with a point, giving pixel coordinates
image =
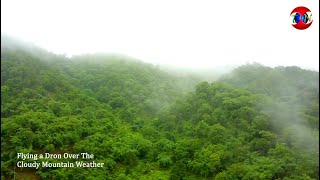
(189, 34)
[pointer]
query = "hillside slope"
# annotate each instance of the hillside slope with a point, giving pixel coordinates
(143, 123)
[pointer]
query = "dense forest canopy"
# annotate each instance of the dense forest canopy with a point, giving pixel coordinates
(255, 122)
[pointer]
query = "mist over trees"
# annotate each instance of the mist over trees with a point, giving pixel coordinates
(143, 122)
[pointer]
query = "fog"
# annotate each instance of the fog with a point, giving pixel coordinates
(293, 125)
(184, 34)
(198, 40)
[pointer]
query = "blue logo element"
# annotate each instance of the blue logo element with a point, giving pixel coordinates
(296, 18)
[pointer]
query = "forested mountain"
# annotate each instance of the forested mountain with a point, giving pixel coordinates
(279, 82)
(256, 122)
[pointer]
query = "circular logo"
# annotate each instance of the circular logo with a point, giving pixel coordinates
(301, 18)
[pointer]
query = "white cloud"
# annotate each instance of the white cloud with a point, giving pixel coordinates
(183, 33)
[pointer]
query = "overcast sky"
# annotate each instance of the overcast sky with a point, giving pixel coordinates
(198, 33)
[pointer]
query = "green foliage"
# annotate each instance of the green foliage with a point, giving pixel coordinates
(143, 123)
